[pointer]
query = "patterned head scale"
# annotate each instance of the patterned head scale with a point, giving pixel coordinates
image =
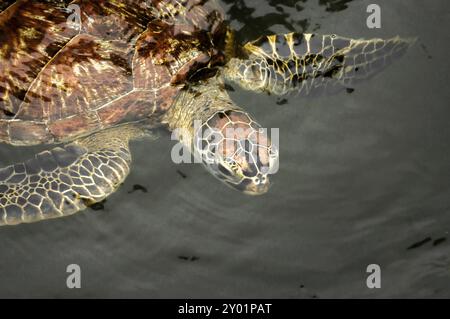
(237, 150)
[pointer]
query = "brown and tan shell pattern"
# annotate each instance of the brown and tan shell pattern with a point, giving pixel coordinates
(121, 61)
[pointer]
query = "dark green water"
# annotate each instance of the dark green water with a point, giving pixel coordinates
(363, 177)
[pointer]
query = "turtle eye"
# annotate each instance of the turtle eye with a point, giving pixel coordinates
(225, 170)
(230, 171)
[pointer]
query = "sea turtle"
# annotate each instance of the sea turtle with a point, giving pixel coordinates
(92, 75)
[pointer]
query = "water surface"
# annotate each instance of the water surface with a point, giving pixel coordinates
(364, 179)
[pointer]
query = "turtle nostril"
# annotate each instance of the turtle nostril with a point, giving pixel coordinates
(260, 179)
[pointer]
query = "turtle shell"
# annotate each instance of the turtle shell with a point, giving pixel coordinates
(70, 68)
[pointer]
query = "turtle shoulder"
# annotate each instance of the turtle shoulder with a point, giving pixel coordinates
(59, 80)
(122, 62)
(188, 37)
(182, 44)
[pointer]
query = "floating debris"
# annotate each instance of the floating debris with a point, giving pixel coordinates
(424, 48)
(183, 175)
(190, 258)
(98, 206)
(137, 187)
(419, 243)
(439, 241)
(282, 101)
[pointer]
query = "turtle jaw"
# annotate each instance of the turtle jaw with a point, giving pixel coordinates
(252, 188)
(243, 183)
(257, 191)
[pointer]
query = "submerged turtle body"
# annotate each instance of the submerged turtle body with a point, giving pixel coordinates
(92, 75)
(117, 63)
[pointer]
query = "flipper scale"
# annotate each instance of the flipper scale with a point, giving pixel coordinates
(309, 64)
(66, 179)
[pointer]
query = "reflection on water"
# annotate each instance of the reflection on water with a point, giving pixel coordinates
(251, 22)
(364, 179)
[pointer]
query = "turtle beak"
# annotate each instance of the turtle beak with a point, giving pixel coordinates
(257, 189)
(247, 186)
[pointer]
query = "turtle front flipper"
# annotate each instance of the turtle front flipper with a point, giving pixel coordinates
(66, 179)
(310, 64)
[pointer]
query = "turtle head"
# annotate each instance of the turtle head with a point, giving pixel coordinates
(236, 150)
